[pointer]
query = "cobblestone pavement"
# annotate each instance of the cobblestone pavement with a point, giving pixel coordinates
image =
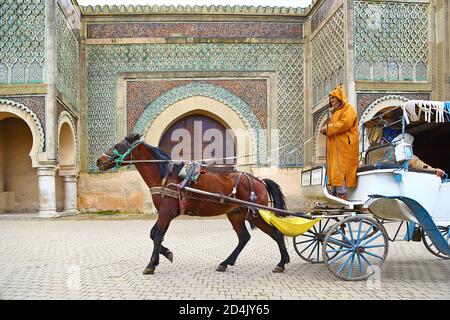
(78, 259)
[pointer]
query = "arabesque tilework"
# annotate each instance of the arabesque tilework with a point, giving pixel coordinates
(323, 13)
(364, 99)
(67, 60)
(22, 41)
(391, 41)
(104, 62)
(328, 56)
(196, 30)
(34, 103)
(141, 93)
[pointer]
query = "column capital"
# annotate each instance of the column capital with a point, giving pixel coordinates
(70, 178)
(46, 171)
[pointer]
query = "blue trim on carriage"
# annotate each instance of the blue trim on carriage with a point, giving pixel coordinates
(447, 108)
(425, 221)
(409, 230)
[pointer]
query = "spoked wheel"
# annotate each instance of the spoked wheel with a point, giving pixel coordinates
(361, 250)
(309, 244)
(430, 245)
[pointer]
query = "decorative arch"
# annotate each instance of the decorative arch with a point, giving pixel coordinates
(228, 106)
(379, 104)
(375, 107)
(210, 107)
(65, 119)
(33, 123)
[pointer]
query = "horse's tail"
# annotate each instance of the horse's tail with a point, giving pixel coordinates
(275, 194)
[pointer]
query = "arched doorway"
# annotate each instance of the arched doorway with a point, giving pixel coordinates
(19, 184)
(199, 136)
(66, 183)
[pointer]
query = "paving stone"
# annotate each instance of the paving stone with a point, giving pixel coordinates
(83, 259)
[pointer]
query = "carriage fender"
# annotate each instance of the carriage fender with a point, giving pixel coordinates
(425, 221)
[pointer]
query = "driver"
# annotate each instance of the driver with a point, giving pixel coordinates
(342, 144)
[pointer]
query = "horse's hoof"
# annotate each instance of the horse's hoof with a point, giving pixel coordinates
(149, 271)
(221, 268)
(278, 269)
(170, 257)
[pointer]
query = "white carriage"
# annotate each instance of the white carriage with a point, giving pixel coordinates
(388, 190)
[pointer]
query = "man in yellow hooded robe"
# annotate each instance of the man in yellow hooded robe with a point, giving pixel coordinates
(342, 143)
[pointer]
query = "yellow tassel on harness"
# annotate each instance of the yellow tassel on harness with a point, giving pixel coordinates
(289, 226)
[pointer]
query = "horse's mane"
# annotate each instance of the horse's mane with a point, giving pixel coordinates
(165, 167)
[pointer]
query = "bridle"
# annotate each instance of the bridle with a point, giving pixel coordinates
(118, 157)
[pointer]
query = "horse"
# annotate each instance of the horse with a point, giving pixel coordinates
(157, 169)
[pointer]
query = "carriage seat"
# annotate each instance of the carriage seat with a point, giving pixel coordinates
(389, 165)
(379, 166)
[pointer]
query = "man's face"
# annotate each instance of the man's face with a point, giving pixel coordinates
(335, 103)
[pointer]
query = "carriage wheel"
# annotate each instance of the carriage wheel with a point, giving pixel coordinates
(363, 248)
(430, 245)
(309, 244)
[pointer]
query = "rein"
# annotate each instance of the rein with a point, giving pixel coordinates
(199, 160)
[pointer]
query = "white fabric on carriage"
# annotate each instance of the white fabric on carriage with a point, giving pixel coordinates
(427, 107)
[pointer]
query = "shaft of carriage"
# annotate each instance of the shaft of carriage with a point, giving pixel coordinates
(222, 199)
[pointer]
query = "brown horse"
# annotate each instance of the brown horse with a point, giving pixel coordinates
(161, 170)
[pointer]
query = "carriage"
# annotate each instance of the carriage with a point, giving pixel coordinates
(349, 236)
(352, 241)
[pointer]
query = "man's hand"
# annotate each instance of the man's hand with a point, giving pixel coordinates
(439, 172)
(324, 130)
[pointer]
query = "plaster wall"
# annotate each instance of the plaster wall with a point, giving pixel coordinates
(122, 190)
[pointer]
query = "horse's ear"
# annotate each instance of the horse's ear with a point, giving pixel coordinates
(133, 137)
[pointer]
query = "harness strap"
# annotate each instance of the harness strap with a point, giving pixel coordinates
(252, 196)
(252, 193)
(163, 182)
(164, 192)
(233, 192)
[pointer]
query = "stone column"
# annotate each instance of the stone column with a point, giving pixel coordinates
(47, 192)
(70, 195)
(349, 54)
(50, 98)
(308, 95)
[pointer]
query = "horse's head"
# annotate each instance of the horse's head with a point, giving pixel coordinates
(116, 155)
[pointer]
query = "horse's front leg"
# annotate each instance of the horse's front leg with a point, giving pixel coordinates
(163, 251)
(157, 235)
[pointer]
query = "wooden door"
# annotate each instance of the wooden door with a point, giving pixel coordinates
(197, 137)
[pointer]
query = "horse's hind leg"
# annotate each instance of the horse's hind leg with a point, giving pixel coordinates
(238, 222)
(276, 235)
